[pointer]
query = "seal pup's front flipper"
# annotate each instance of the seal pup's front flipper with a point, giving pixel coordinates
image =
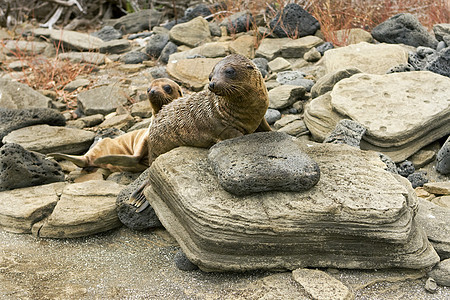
(118, 160)
(263, 126)
(79, 160)
(138, 199)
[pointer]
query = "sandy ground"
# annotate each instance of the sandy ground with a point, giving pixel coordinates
(125, 264)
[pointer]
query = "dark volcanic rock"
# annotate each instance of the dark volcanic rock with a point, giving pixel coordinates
(183, 263)
(12, 119)
(107, 33)
(417, 179)
(156, 44)
(324, 47)
(138, 21)
(440, 63)
(199, 10)
(346, 132)
(262, 162)
(294, 21)
(239, 22)
(134, 57)
(443, 158)
(127, 213)
(404, 29)
(405, 168)
(21, 168)
(262, 64)
(169, 49)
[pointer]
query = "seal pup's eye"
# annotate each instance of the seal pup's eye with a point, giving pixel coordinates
(230, 72)
(167, 89)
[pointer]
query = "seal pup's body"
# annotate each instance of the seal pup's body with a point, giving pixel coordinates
(128, 152)
(234, 105)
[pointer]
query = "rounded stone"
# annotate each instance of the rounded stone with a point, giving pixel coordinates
(405, 29)
(296, 22)
(133, 57)
(21, 168)
(263, 162)
(272, 115)
(183, 263)
(405, 168)
(417, 179)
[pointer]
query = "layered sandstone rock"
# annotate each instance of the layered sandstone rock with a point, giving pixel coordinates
(357, 216)
(402, 112)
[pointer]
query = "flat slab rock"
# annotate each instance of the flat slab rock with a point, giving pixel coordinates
(357, 216)
(84, 208)
(269, 161)
(47, 139)
(434, 219)
(402, 112)
(369, 58)
(18, 95)
(21, 208)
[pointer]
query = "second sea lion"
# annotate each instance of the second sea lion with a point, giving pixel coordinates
(129, 151)
(234, 105)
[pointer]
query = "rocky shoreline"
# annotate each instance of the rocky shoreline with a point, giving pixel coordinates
(320, 194)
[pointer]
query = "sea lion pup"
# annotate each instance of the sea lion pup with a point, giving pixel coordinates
(129, 151)
(234, 105)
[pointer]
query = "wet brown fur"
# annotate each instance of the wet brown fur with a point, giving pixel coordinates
(129, 151)
(233, 106)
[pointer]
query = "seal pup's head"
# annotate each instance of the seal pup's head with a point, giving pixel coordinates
(162, 91)
(235, 76)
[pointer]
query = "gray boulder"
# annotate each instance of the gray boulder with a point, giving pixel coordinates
(443, 158)
(13, 119)
(83, 209)
(440, 63)
(134, 57)
(168, 50)
(404, 29)
(294, 21)
(23, 207)
(127, 214)
(294, 78)
(399, 120)
(107, 33)
(101, 100)
(262, 65)
(326, 83)
(262, 162)
(142, 20)
(345, 221)
(272, 115)
(320, 285)
(156, 44)
(48, 139)
(115, 46)
(21, 168)
(192, 33)
(434, 220)
(285, 95)
(238, 22)
(441, 272)
(346, 132)
(16, 95)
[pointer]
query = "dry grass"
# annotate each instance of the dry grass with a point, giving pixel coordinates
(43, 73)
(335, 15)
